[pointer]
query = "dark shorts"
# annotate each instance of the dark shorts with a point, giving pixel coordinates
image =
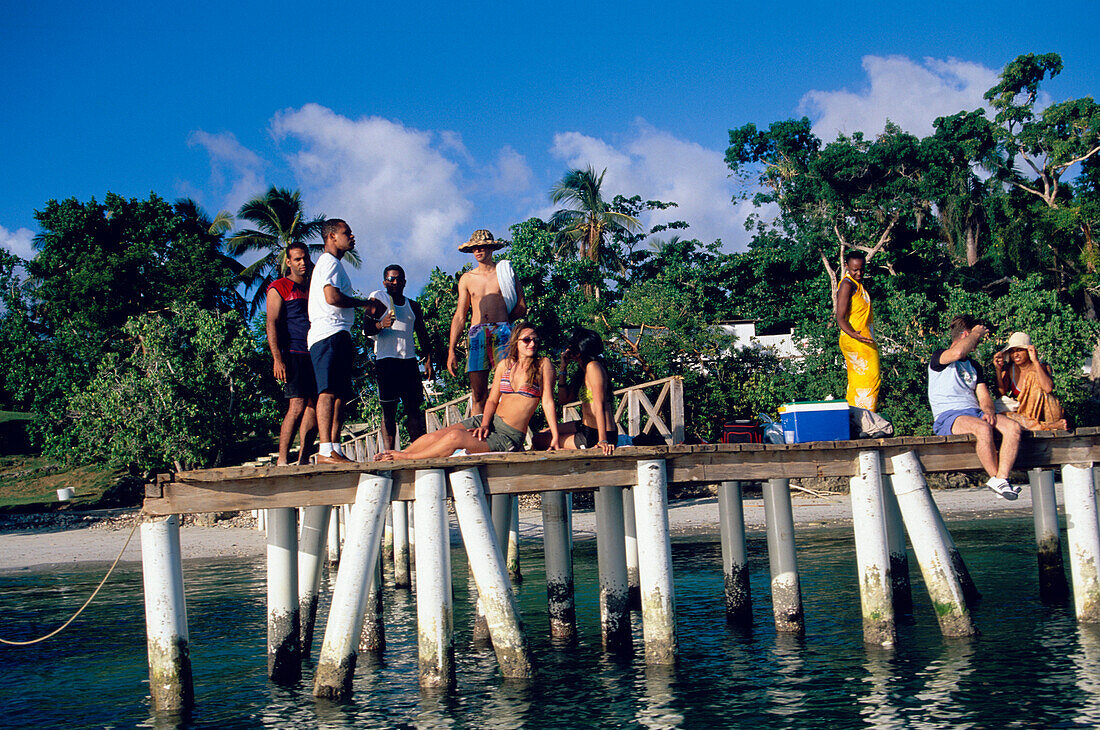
(943, 423)
(502, 437)
(399, 380)
(300, 382)
(332, 361)
(587, 437)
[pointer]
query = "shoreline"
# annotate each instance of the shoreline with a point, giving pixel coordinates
(41, 542)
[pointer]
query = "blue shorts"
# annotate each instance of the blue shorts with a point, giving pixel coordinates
(488, 345)
(943, 423)
(332, 362)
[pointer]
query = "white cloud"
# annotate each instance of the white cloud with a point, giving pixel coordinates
(510, 175)
(657, 165)
(399, 192)
(18, 242)
(236, 172)
(910, 94)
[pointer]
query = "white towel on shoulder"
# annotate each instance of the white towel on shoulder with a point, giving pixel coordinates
(506, 278)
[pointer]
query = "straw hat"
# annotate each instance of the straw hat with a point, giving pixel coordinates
(1017, 340)
(482, 237)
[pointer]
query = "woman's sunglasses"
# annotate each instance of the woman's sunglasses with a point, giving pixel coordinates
(529, 340)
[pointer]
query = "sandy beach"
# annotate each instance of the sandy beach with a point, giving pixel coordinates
(27, 543)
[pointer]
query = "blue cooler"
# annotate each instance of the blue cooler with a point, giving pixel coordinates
(815, 421)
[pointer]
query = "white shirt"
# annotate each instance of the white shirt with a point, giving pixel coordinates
(326, 320)
(397, 340)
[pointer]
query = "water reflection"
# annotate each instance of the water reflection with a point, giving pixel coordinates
(879, 705)
(785, 694)
(942, 677)
(1086, 662)
(655, 710)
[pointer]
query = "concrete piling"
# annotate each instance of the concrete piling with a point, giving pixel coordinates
(373, 638)
(170, 684)
(631, 531)
(387, 540)
(899, 559)
(339, 650)
(514, 572)
(284, 654)
(611, 556)
(782, 559)
(401, 569)
(1083, 533)
(655, 562)
(486, 560)
(923, 522)
(434, 617)
(559, 566)
(872, 552)
(332, 544)
(311, 550)
(1048, 539)
(735, 567)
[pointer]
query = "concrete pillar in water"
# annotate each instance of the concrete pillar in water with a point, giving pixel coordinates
(401, 577)
(332, 544)
(923, 522)
(1048, 539)
(434, 618)
(373, 638)
(1083, 532)
(631, 530)
(411, 515)
(872, 552)
(735, 564)
(311, 550)
(170, 683)
(284, 654)
(970, 591)
(899, 558)
(514, 572)
(494, 591)
(655, 562)
(261, 520)
(786, 589)
(387, 540)
(611, 555)
(559, 565)
(336, 662)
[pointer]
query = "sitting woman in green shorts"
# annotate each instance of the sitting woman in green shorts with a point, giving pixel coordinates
(520, 382)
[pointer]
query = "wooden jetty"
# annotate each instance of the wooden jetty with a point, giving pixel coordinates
(889, 498)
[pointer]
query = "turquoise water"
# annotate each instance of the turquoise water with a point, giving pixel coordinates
(1031, 667)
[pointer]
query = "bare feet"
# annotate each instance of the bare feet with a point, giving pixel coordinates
(384, 456)
(333, 458)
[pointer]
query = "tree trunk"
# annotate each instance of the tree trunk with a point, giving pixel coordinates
(972, 245)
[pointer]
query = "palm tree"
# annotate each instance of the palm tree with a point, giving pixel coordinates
(279, 220)
(587, 221)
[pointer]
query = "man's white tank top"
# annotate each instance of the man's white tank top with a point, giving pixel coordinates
(396, 341)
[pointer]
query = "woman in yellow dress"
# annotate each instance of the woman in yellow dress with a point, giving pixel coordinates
(855, 318)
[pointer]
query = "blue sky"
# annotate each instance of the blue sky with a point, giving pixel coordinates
(420, 122)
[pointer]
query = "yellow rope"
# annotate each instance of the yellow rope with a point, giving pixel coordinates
(80, 610)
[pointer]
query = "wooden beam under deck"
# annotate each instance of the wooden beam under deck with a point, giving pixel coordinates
(248, 488)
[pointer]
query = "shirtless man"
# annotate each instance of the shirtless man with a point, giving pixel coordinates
(492, 308)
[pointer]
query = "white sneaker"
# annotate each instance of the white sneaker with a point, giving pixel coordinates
(1003, 489)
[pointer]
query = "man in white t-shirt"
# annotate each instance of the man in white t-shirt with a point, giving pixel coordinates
(395, 358)
(331, 316)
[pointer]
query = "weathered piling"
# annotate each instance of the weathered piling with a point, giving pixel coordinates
(782, 559)
(434, 617)
(514, 572)
(494, 591)
(332, 544)
(735, 564)
(373, 638)
(311, 549)
(261, 520)
(611, 557)
(872, 553)
(970, 591)
(170, 684)
(387, 541)
(559, 565)
(923, 522)
(1083, 532)
(655, 562)
(284, 655)
(336, 662)
(631, 531)
(501, 508)
(1048, 539)
(401, 572)
(900, 584)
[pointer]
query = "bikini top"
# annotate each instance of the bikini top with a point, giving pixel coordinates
(528, 389)
(584, 395)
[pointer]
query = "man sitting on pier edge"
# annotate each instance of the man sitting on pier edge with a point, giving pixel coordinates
(331, 316)
(961, 403)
